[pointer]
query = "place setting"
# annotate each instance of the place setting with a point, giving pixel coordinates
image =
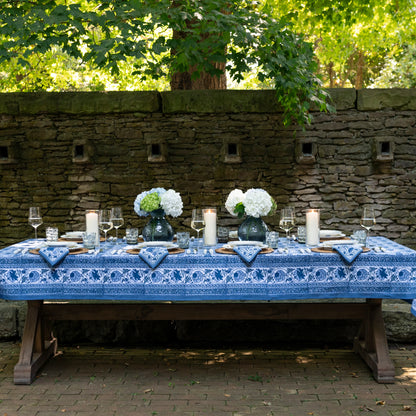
(334, 241)
(171, 247)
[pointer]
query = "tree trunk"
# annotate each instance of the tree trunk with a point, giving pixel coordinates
(184, 81)
(359, 79)
(330, 68)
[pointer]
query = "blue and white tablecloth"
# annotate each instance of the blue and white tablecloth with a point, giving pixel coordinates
(389, 271)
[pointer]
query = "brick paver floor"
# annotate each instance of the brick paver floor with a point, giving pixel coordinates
(91, 380)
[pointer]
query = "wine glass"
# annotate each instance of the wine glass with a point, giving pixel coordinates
(287, 220)
(104, 222)
(198, 221)
(368, 219)
(117, 219)
(35, 219)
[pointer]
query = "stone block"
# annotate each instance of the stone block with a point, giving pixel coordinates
(343, 98)
(392, 98)
(8, 321)
(219, 101)
(399, 322)
(79, 102)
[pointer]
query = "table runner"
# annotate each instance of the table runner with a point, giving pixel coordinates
(388, 271)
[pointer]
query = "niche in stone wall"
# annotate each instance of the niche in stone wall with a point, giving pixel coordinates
(383, 149)
(81, 151)
(306, 150)
(156, 152)
(232, 151)
(8, 152)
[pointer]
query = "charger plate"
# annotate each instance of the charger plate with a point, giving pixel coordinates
(331, 250)
(78, 250)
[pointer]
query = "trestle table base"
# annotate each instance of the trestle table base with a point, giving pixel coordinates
(39, 344)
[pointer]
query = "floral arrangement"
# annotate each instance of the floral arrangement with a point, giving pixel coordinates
(159, 198)
(255, 202)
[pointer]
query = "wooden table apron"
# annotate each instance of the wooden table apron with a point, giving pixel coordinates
(39, 344)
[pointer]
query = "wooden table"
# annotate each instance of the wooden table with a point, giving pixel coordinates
(210, 286)
(39, 344)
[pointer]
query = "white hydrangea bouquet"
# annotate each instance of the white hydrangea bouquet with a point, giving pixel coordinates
(255, 202)
(159, 198)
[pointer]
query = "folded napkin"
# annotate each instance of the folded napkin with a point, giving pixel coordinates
(153, 256)
(54, 255)
(348, 252)
(247, 253)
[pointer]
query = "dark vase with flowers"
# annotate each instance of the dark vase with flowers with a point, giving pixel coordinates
(158, 228)
(252, 229)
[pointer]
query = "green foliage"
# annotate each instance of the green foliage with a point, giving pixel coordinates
(353, 39)
(138, 40)
(399, 71)
(239, 210)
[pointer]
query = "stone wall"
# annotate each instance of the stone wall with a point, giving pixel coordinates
(67, 152)
(75, 151)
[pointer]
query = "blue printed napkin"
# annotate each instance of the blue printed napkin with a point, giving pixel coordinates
(153, 256)
(247, 253)
(348, 252)
(54, 255)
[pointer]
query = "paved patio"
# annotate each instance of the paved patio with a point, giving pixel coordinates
(92, 380)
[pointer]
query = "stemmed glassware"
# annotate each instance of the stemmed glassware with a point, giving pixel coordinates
(117, 219)
(368, 219)
(287, 220)
(198, 221)
(104, 222)
(35, 219)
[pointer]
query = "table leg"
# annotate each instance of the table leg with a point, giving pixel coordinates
(371, 343)
(37, 345)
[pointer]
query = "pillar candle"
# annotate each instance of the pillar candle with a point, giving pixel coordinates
(91, 219)
(312, 227)
(210, 231)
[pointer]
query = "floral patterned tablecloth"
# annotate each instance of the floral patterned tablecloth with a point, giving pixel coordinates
(387, 271)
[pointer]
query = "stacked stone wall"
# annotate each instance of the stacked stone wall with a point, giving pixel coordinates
(73, 151)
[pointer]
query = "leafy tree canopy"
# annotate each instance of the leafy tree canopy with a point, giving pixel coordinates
(355, 40)
(134, 38)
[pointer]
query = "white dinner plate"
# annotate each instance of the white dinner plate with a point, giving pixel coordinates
(167, 244)
(331, 234)
(73, 235)
(245, 243)
(68, 244)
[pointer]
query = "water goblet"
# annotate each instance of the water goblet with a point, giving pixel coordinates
(198, 221)
(368, 219)
(117, 219)
(287, 220)
(35, 219)
(104, 222)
